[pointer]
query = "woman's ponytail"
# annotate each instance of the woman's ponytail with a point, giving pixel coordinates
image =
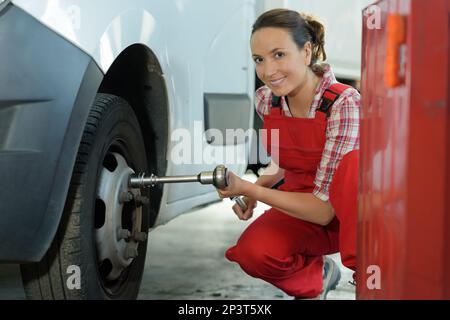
(317, 31)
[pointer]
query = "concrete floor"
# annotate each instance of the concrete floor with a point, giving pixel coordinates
(185, 260)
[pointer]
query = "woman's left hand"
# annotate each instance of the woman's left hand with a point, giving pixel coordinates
(235, 186)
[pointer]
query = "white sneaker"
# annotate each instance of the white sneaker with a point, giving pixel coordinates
(331, 277)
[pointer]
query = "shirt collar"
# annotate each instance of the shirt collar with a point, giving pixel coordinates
(327, 80)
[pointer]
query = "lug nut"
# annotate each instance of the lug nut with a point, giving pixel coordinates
(141, 200)
(126, 196)
(131, 251)
(140, 236)
(123, 234)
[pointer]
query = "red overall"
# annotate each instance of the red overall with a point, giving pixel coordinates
(286, 251)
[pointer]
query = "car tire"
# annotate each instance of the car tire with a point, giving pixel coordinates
(72, 267)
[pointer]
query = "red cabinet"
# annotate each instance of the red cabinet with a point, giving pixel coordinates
(404, 197)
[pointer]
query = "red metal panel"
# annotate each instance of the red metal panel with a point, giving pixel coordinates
(446, 281)
(404, 223)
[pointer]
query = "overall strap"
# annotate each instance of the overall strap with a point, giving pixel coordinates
(276, 101)
(275, 106)
(330, 96)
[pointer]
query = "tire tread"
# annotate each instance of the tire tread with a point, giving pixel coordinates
(45, 280)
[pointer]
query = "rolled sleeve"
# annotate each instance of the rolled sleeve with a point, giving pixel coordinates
(342, 136)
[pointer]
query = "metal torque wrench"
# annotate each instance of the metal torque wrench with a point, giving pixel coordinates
(218, 178)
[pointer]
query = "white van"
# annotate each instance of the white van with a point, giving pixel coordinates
(91, 91)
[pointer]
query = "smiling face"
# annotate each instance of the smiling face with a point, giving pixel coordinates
(280, 63)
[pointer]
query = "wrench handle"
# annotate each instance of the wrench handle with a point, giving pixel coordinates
(240, 202)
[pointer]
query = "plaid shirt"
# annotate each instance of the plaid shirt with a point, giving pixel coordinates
(342, 135)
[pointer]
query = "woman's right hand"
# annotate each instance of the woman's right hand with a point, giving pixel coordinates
(251, 204)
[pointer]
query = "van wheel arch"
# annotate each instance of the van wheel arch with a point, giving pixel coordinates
(136, 76)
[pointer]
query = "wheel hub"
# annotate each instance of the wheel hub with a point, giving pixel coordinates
(115, 242)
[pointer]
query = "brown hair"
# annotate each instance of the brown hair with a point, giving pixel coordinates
(302, 28)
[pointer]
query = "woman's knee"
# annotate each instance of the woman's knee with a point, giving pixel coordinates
(252, 259)
(263, 249)
(258, 260)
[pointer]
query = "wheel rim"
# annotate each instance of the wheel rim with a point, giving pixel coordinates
(118, 218)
